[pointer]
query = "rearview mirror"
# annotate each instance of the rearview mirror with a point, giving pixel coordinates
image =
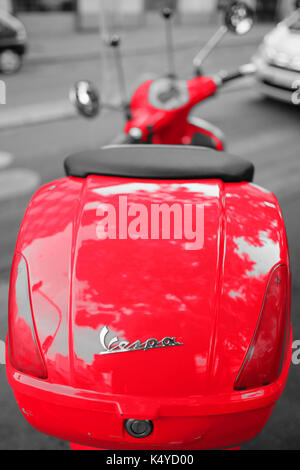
(239, 18)
(85, 97)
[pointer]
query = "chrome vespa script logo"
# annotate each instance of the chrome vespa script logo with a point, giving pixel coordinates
(116, 346)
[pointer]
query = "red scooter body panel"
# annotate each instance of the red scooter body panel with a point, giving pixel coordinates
(165, 118)
(209, 299)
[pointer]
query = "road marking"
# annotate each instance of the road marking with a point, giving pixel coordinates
(5, 159)
(2, 352)
(16, 182)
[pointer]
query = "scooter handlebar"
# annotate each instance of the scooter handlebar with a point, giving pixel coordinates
(224, 77)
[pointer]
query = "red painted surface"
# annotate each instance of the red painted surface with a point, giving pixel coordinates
(209, 299)
(170, 126)
(79, 447)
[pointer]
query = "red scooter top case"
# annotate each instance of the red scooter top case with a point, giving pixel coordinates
(151, 325)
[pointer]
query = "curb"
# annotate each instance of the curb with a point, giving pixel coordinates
(37, 114)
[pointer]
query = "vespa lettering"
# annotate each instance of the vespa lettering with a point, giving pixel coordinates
(114, 345)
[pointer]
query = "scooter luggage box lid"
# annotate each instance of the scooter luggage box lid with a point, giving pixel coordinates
(205, 290)
(160, 162)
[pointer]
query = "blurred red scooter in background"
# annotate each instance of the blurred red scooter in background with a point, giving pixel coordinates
(159, 111)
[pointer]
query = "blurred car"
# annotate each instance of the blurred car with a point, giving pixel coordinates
(55, 5)
(278, 61)
(13, 43)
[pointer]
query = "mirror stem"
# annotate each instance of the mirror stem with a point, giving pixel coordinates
(170, 49)
(122, 82)
(114, 42)
(209, 47)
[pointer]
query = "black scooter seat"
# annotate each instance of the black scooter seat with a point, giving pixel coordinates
(160, 162)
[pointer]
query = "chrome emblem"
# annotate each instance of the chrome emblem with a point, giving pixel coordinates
(116, 346)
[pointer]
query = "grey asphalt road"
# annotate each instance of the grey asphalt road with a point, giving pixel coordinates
(265, 131)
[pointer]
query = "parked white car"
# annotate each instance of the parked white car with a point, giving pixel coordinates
(278, 61)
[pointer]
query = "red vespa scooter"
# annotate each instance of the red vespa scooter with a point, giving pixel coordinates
(149, 303)
(159, 111)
